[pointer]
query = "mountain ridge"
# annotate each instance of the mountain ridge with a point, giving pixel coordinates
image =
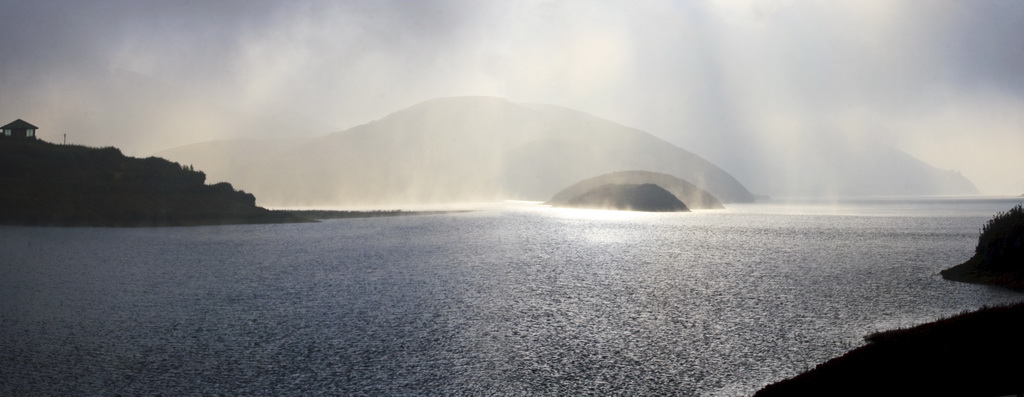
(478, 148)
(461, 149)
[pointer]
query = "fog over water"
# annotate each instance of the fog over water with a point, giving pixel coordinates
(758, 88)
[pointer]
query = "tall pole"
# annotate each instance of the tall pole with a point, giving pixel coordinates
(65, 139)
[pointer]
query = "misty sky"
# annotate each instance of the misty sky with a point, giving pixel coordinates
(942, 80)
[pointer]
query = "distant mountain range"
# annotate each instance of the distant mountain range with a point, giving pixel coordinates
(461, 149)
(477, 149)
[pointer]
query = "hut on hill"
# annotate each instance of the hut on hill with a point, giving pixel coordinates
(18, 129)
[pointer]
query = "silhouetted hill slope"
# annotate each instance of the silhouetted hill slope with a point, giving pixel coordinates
(691, 195)
(999, 256)
(48, 184)
(458, 150)
(972, 354)
(646, 197)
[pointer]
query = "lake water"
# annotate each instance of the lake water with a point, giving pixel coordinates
(513, 300)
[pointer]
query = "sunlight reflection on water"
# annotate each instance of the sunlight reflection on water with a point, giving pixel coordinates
(523, 300)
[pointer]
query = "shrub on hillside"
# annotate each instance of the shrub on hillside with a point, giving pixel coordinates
(1001, 244)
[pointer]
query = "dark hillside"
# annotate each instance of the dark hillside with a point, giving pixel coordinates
(972, 354)
(999, 256)
(628, 197)
(49, 184)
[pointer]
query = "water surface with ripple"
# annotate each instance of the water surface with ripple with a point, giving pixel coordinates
(513, 300)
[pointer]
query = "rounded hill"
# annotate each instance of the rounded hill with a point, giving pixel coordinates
(694, 197)
(646, 197)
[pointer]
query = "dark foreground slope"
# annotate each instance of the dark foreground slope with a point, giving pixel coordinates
(973, 354)
(626, 197)
(48, 184)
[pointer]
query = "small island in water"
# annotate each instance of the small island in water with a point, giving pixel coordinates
(46, 184)
(646, 197)
(971, 354)
(692, 195)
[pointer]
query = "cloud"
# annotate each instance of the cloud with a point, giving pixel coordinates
(706, 75)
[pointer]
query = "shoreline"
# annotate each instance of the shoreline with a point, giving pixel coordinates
(270, 217)
(971, 353)
(968, 272)
(317, 215)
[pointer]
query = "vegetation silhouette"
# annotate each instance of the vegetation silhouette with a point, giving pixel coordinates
(646, 197)
(69, 185)
(999, 256)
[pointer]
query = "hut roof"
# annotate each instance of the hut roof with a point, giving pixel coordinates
(19, 124)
